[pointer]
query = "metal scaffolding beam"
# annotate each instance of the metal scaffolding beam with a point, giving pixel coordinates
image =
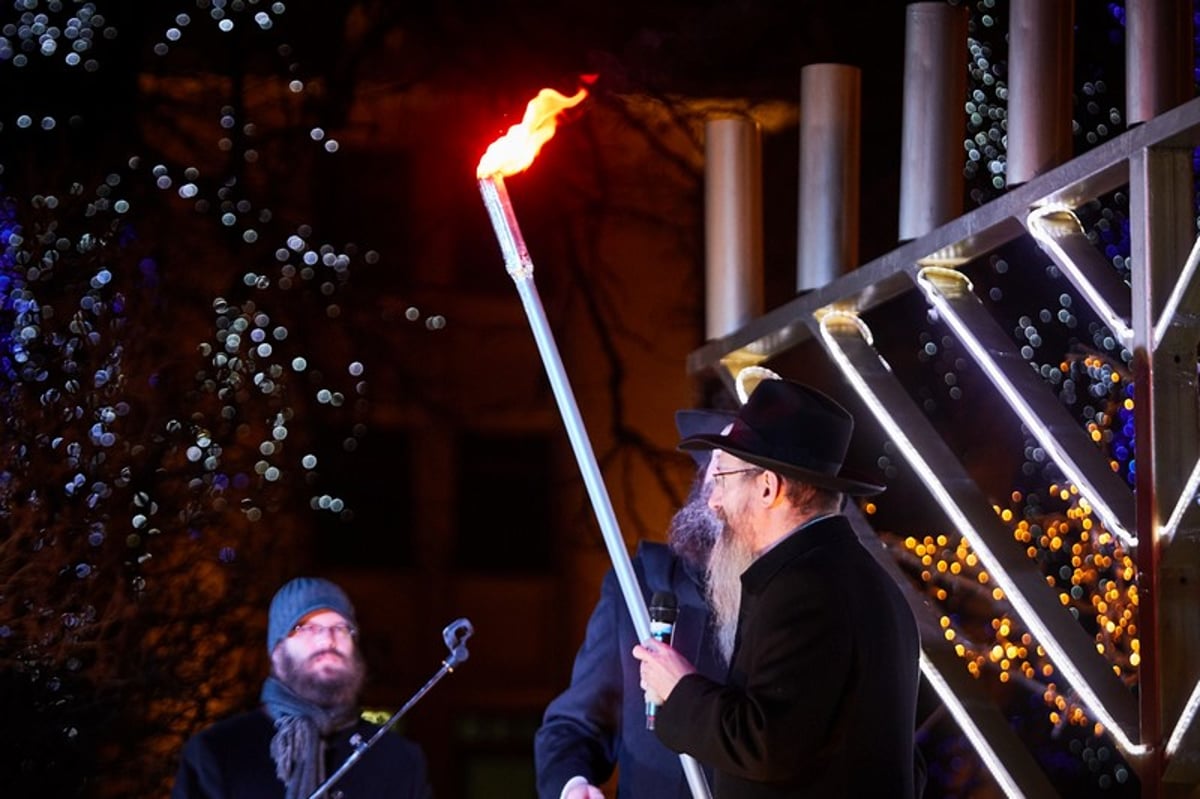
(1157, 319)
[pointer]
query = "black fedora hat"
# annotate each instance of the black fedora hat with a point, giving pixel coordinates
(793, 429)
(694, 422)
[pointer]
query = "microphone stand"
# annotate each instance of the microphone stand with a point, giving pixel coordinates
(455, 635)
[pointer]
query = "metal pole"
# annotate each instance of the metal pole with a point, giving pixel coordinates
(830, 114)
(1158, 57)
(733, 249)
(1167, 425)
(935, 87)
(520, 268)
(1040, 53)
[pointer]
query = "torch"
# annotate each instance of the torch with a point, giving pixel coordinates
(508, 155)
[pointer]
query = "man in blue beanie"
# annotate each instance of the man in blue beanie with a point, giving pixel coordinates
(309, 722)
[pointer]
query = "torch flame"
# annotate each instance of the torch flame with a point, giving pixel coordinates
(514, 151)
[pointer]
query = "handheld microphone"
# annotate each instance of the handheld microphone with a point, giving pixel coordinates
(664, 609)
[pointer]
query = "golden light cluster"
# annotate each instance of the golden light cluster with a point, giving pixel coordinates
(1095, 578)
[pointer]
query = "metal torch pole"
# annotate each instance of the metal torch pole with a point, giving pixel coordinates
(520, 268)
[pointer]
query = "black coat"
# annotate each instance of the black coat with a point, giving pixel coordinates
(822, 689)
(600, 719)
(232, 760)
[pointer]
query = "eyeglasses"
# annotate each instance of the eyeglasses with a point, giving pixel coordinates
(736, 471)
(342, 631)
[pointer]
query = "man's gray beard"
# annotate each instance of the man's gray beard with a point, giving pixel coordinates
(731, 556)
(330, 692)
(694, 528)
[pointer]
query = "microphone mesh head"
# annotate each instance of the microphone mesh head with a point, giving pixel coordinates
(663, 606)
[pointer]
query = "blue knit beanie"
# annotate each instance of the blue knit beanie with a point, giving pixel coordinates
(299, 598)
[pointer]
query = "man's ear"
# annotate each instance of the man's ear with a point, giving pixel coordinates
(772, 488)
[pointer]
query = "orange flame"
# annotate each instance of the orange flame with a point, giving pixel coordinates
(514, 151)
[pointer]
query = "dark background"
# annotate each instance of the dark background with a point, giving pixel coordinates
(132, 605)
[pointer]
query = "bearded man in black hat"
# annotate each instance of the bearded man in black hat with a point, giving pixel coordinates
(820, 698)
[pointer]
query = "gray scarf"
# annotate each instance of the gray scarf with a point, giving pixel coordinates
(297, 746)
